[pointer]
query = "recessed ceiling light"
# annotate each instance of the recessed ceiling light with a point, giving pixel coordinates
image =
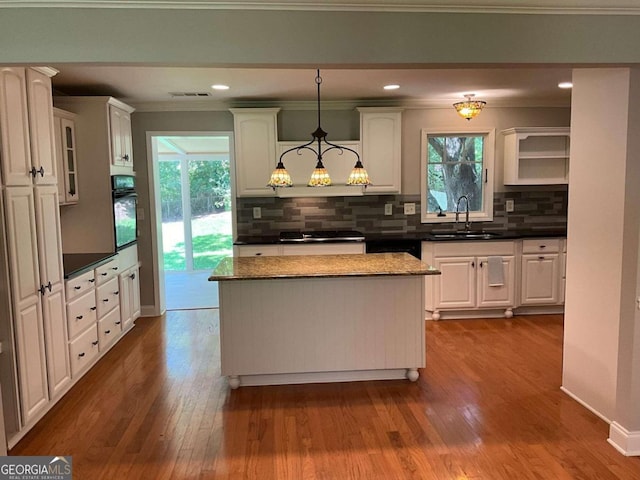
(565, 85)
(391, 87)
(220, 87)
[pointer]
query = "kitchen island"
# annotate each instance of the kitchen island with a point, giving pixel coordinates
(321, 318)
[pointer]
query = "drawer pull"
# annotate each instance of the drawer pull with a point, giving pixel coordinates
(93, 308)
(540, 258)
(132, 276)
(81, 354)
(258, 254)
(95, 344)
(91, 280)
(114, 268)
(77, 287)
(107, 332)
(116, 292)
(104, 274)
(543, 246)
(79, 317)
(105, 299)
(118, 323)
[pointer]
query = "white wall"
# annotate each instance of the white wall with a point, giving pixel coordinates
(603, 226)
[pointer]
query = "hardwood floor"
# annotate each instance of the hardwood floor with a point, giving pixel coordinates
(487, 407)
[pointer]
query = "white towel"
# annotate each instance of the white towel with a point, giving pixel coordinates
(495, 273)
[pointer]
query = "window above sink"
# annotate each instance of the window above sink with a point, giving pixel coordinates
(457, 164)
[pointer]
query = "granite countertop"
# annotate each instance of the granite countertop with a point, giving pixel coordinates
(75, 264)
(421, 236)
(310, 266)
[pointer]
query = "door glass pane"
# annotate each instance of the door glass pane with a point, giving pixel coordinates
(67, 132)
(210, 212)
(70, 160)
(172, 216)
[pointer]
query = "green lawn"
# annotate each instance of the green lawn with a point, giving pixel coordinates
(212, 241)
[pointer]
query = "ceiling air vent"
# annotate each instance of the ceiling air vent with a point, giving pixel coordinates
(190, 94)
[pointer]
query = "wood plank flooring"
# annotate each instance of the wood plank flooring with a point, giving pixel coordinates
(487, 407)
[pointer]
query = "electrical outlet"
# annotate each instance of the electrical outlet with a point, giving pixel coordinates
(409, 208)
(257, 212)
(509, 205)
(388, 209)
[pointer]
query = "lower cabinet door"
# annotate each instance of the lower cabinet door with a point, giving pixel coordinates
(55, 330)
(83, 350)
(109, 329)
(455, 287)
(540, 276)
(496, 295)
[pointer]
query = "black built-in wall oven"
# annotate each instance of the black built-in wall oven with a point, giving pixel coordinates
(125, 202)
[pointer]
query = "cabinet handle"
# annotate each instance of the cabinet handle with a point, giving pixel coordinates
(33, 172)
(481, 264)
(114, 268)
(79, 317)
(104, 274)
(132, 276)
(91, 280)
(116, 292)
(93, 308)
(77, 287)
(543, 246)
(81, 354)
(42, 289)
(473, 264)
(95, 344)
(118, 323)
(49, 286)
(258, 254)
(541, 258)
(41, 171)
(105, 299)
(125, 157)
(107, 332)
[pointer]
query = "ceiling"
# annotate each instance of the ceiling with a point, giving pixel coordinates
(151, 87)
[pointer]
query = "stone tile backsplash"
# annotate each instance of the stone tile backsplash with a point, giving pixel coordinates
(534, 210)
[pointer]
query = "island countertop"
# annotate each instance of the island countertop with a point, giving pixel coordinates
(314, 266)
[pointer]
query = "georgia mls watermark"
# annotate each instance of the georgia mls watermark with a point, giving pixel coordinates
(35, 468)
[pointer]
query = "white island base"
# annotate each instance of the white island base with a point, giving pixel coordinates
(317, 329)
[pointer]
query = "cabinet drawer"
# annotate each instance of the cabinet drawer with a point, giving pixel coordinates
(83, 350)
(79, 285)
(257, 250)
(106, 272)
(109, 329)
(81, 313)
(107, 297)
(541, 245)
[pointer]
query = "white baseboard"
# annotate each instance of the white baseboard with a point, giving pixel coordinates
(322, 377)
(150, 311)
(476, 313)
(626, 442)
(586, 405)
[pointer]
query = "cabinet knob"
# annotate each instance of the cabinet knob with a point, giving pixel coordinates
(104, 274)
(79, 317)
(116, 292)
(541, 258)
(105, 300)
(93, 308)
(81, 354)
(41, 171)
(42, 289)
(118, 323)
(49, 286)
(77, 287)
(481, 264)
(95, 344)
(132, 276)
(91, 280)
(473, 264)
(114, 268)
(107, 332)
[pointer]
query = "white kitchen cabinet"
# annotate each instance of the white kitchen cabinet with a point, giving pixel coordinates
(536, 156)
(66, 161)
(83, 351)
(38, 295)
(130, 297)
(120, 133)
(463, 283)
(255, 137)
(26, 126)
(541, 273)
(257, 250)
(381, 141)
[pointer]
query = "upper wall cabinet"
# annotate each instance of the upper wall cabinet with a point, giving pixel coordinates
(120, 130)
(65, 133)
(381, 139)
(27, 133)
(256, 136)
(536, 156)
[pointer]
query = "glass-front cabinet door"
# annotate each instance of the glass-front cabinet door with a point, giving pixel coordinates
(66, 163)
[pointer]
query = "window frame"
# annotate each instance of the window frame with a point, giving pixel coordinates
(488, 162)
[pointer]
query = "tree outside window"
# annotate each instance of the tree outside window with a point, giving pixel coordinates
(456, 164)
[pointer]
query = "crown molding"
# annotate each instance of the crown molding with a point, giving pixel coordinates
(209, 106)
(577, 7)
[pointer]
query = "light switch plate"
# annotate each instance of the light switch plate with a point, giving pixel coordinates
(257, 212)
(509, 205)
(388, 209)
(409, 208)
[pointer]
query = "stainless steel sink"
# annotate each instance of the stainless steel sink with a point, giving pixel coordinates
(465, 235)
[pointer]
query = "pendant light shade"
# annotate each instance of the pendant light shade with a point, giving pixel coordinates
(280, 177)
(469, 108)
(319, 146)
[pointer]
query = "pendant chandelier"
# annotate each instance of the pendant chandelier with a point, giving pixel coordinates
(469, 108)
(320, 176)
